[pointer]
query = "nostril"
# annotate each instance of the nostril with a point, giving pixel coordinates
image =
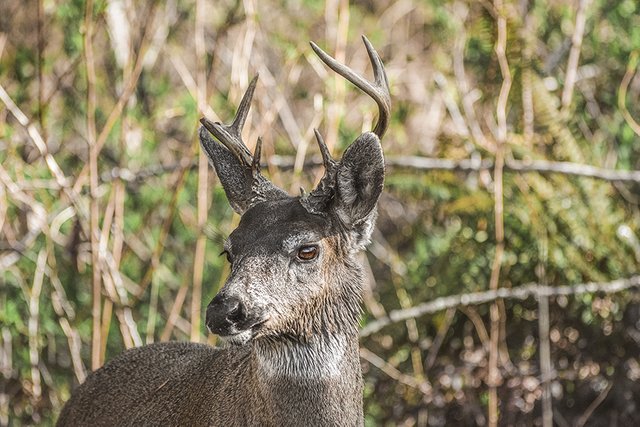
(236, 312)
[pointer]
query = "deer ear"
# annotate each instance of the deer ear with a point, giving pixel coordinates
(359, 182)
(236, 179)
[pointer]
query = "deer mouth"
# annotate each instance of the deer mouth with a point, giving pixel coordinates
(241, 338)
(255, 329)
(244, 336)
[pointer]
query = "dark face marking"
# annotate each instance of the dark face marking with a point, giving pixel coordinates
(278, 226)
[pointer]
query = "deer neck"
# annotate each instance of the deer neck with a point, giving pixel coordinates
(315, 382)
(319, 358)
(315, 372)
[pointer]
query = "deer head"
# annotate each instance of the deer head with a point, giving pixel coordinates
(293, 272)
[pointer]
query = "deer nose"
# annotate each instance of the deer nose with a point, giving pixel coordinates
(226, 315)
(236, 312)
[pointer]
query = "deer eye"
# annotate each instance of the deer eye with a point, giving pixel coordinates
(308, 252)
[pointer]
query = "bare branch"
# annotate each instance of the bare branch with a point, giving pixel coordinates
(525, 166)
(593, 405)
(477, 298)
(407, 162)
(494, 378)
(423, 386)
(577, 169)
(622, 92)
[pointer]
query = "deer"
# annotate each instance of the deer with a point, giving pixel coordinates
(290, 308)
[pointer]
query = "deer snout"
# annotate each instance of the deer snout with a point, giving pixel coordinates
(226, 315)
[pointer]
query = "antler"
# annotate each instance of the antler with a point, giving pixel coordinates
(231, 137)
(378, 90)
(239, 170)
(316, 201)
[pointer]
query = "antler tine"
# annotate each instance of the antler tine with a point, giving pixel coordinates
(379, 90)
(315, 201)
(231, 135)
(324, 150)
(255, 163)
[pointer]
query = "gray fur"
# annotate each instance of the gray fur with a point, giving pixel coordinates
(290, 319)
(187, 384)
(300, 367)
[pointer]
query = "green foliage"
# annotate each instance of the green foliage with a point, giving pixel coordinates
(436, 230)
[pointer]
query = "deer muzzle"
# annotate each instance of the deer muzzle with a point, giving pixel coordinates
(229, 315)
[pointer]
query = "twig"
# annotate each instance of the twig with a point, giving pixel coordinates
(203, 170)
(280, 106)
(467, 93)
(475, 318)
(6, 369)
(373, 306)
(33, 326)
(40, 64)
(576, 169)
(439, 339)
(36, 137)
(117, 110)
(96, 340)
(594, 405)
(39, 217)
(622, 92)
(190, 84)
(174, 312)
(118, 230)
(153, 312)
(423, 386)
(385, 253)
(65, 312)
(545, 360)
(543, 334)
(451, 105)
(337, 28)
(493, 374)
(526, 78)
(518, 293)
(164, 232)
(574, 54)
(105, 322)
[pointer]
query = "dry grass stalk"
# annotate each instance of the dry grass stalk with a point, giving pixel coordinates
(203, 171)
(574, 54)
(494, 377)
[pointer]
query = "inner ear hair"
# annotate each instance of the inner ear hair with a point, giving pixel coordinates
(360, 179)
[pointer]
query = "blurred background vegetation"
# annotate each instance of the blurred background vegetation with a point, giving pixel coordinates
(111, 222)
